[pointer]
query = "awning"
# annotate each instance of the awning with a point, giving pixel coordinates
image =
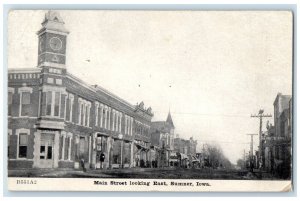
(141, 146)
(194, 159)
(184, 156)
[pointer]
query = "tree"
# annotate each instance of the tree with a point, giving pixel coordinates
(215, 156)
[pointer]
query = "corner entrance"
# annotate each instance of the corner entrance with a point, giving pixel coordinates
(46, 154)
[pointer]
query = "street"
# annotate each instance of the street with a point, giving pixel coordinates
(138, 173)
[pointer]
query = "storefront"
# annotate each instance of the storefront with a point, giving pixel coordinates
(141, 154)
(101, 151)
(46, 148)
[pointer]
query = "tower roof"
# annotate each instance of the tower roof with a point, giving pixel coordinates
(53, 22)
(169, 120)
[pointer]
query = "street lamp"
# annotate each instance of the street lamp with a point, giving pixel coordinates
(120, 136)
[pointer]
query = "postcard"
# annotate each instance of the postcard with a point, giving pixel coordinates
(195, 101)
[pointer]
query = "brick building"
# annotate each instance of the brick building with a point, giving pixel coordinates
(56, 120)
(187, 147)
(277, 142)
(162, 140)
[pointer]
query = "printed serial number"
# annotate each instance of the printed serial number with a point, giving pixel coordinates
(26, 181)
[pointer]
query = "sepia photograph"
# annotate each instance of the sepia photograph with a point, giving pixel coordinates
(109, 100)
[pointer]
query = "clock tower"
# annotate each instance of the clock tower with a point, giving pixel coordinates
(52, 41)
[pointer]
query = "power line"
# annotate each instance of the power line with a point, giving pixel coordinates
(224, 142)
(204, 114)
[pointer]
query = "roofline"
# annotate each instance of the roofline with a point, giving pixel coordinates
(281, 95)
(78, 80)
(24, 70)
(95, 89)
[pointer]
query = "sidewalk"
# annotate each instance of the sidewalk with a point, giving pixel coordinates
(41, 172)
(139, 173)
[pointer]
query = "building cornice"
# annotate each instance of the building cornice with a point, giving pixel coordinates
(24, 70)
(97, 89)
(51, 64)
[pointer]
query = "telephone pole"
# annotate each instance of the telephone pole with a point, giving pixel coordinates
(251, 152)
(260, 115)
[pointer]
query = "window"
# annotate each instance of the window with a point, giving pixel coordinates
(58, 81)
(131, 125)
(117, 118)
(108, 118)
(128, 125)
(69, 148)
(96, 113)
(52, 103)
(125, 125)
(120, 123)
(87, 122)
(101, 115)
(9, 102)
(56, 104)
(81, 146)
(48, 102)
(82, 114)
(79, 113)
(68, 108)
(25, 103)
(50, 80)
(23, 141)
(42, 152)
(104, 143)
(49, 152)
(167, 139)
(99, 143)
(130, 128)
(113, 120)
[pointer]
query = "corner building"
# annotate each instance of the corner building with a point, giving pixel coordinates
(55, 120)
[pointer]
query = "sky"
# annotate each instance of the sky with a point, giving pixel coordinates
(210, 69)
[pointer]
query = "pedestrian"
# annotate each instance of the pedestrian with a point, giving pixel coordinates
(102, 158)
(142, 163)
(82, 165)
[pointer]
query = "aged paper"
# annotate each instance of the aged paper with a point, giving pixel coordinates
(150, 100)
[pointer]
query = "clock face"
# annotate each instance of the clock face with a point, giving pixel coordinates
(55, 43)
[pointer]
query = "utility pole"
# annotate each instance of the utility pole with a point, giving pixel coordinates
(251, 152)
(260, 115)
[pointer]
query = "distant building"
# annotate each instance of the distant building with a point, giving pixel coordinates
(192, 147)
(162, 140)
(187, 147)
(179, 145)
(186, 150)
